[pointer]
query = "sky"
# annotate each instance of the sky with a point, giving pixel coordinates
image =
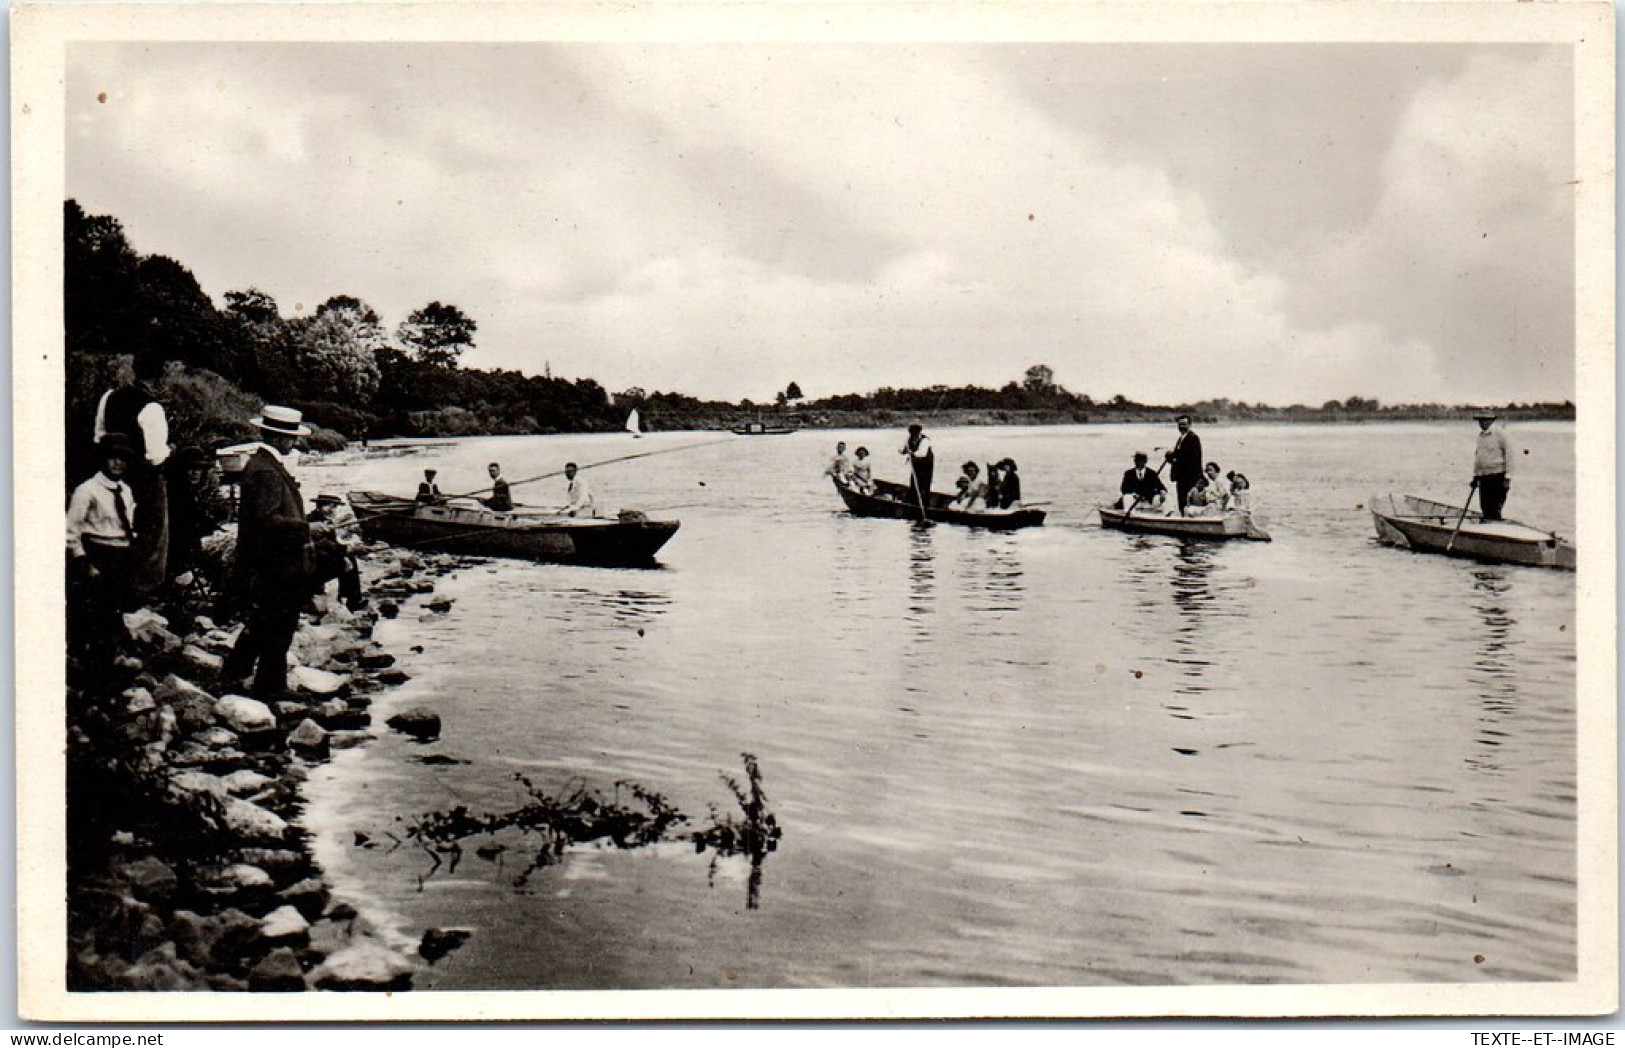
(1277, 223)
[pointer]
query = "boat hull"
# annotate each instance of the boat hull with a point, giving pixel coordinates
(1217, 529)
(626, 541)
(893, 502)
(1431, 527)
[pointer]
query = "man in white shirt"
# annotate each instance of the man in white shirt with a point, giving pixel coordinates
(579, 495)
(100, 532)
(1492, 466)
(134, 412)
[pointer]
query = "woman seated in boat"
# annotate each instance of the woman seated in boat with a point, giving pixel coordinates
(862, 477)
(1241, 493)
(972, 490)
(995, 484)
(1009, 486)
(428, 491)
(1214, 491)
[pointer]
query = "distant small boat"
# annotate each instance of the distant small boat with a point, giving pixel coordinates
(1430, 527)
(896, 502)
(1228, 526)
(632, 426)
(630, 539)
(760, 429)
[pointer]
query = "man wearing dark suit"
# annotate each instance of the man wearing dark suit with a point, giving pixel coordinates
(1141, 483)
(1186, 459)
(272, 567)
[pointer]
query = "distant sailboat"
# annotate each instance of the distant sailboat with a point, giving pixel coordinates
(632, 424)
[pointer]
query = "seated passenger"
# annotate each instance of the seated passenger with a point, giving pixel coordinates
(839, 467)
(995, 483)
(862, 477)
(428, 493)
(1009, 486)
(1141, 488)
(1216, 489)
(501, 498)
(1241, 493)
(970, 485)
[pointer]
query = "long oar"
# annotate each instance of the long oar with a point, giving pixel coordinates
(919, 496)
(1452, 543)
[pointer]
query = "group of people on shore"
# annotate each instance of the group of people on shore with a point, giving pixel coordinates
(1000, 489)
(578, 499)
(135, 532)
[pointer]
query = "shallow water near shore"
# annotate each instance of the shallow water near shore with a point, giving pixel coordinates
(1062, 756)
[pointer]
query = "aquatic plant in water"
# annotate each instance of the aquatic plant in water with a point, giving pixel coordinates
(551, 823)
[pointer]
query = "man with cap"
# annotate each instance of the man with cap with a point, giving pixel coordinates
(1141, 486)
(100, 532)
(133, 411)
(922, 463)
(271, 574)
(1186, 459)
(1491, 465)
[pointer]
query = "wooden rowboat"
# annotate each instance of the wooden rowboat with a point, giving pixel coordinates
(1430, 527)
(1229, 526)
(758, 429)
(895, 502)
(630, 539)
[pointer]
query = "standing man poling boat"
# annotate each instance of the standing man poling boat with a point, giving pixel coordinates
(922, 462)
(1491, 465)
(1186, 459)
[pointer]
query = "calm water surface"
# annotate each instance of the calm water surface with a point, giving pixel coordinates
(1064, 756)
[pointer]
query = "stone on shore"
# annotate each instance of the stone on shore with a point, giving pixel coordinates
(278, 972)
(318, 682)
(363, 964)
(192, 705)
(437, 942)
(244, 780)
(421, 724)
(309, 897)
(151, 630)
(149, 878)
(202, 661)
(244, 715)
(285, 922)
(252, 823)
(194, 781)
(138, 700)
(309, 736)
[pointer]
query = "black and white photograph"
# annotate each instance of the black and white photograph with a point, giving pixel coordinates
(917, 510)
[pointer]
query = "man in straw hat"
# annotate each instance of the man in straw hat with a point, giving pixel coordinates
(1491, 465)
(271, 573)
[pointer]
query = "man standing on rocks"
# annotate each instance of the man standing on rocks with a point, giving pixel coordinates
(273, 560)
(100, 533)
(133, 411)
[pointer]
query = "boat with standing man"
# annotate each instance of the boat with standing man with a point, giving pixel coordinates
(1438, 527)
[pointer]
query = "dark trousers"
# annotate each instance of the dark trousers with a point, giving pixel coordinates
(1183, 489)
(1492, 494)
(96, 603)
(262, 646)
(919, 481)
(149, 553)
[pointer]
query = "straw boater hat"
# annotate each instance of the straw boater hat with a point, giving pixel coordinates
(277, 419)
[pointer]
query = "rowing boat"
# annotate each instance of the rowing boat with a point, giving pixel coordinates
(897, 502)
(1431, 527)
(759, 429)
(1228, 526)
(463, 526)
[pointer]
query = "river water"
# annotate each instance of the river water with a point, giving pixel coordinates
(1057, 757)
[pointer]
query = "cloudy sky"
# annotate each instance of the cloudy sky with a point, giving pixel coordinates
(1279, 223)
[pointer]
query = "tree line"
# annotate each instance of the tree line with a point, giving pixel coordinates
(356, 377)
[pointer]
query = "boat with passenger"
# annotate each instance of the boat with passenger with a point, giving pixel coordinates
(897, 502)
(1231, 525)
(462, 525)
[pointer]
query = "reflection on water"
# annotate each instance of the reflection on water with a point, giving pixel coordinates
(1492, 669)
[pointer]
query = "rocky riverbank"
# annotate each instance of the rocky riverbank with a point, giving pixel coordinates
(189, 866)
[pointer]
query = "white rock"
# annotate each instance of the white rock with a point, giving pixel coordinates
(216, 738)
(360, 965)
(252, 822)
(139, 700)
(245, 715)
(146, 626)
(244, 781)
(319, 682)
(197, 658)
(242, 875)
(199, 782)
(284, 922)
(308, 736)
